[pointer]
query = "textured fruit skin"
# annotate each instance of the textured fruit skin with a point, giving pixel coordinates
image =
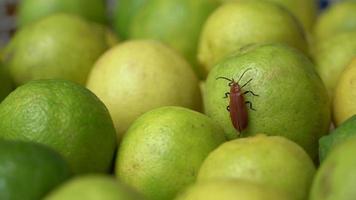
(344, 105)
(332, 56)
(237, 24)
(29, 170)
(177, 23)
(304, 10)
(60, 46)
(336, 177)
(93, 187)
(230, 189)
(346, 130)
(338, 18)
(162, 151)
(30, 11)
(273, 161)
(125, 11)
(137, 76)
(292, 101)
(64, 116)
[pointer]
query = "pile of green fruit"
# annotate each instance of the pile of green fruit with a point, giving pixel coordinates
(179, 100)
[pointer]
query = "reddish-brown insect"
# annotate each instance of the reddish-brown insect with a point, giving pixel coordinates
(237, 107)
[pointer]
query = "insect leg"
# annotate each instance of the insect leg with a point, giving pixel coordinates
(249, 91)
(228, 108)
(250, 105)
(226, 95)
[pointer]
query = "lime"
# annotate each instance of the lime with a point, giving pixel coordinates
(332, 56)
(292, 100)
(336, 177)
(59, 46)
(124, 12)
(64, 116)
(273, 161)
(345, 94)
(29, 170)
(162, 151)
(177, 23)
(30, 11)
(137, 76)
(236, 24)
(346, 130)
(338, 18)
(93, 187)
(304, 10)
(230, 189)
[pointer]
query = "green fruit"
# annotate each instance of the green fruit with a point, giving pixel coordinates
(340, 134)
(273, 161)
(137, 76)
(336, 177)
(305, 10)
(29, 170)
(93, 187)
(162, 151)
(237, 24)
(6, 84)
(177, 23)
(30, 11)
(231, 189)
(344, 105)
(332, 56)
(292, 100)
(64, 116)
(338, 18)
(59, 46)
(124, 12)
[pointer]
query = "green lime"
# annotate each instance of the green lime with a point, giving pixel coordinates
(162, 151)
(344, 105)
(59, 46)
(231, 189)
(93, 187)
(304, 10)
(336, 177)
(338, 18)
(30, 11)
(29, 170)
(237, 24)
(124, 12)
(137, 76)
(346, 130)
(64, 116)
(332, 56)
(269, 160)
(292, 100)
(177, 23)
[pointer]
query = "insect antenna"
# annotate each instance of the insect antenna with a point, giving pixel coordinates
(221, 77)
(243, 74)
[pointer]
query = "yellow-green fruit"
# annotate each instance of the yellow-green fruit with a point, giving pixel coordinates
(332, 56)
(305, 10)
(338, 18)
(93, 187)
(59, 46)
(163, 150)
(270, 160)
(6, 84)
(336, 177)
(177, 23)
(62, 115)
(30, 11)
(292, 100)
(141, 75)
(29, 170)
(345, 94)
(237, 24)
(231, 189)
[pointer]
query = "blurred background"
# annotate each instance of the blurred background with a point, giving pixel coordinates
(8, 10)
